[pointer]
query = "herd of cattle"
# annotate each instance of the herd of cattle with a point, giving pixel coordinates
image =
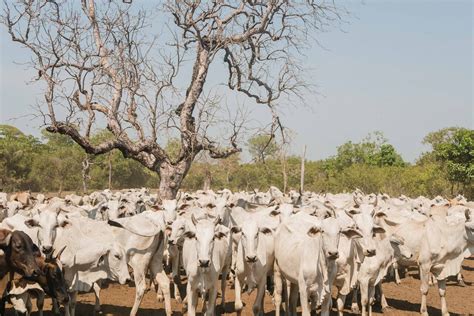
(291, 246)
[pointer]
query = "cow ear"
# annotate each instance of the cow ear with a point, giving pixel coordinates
(236, 229)
(314, 231)
(31, 223)
(220, 235)
(352, 212)
(5, 237)
(189, 234)
(378, 230)
(265, 230)
(352, 233)
(380, 214)
(184, 206)
(157, 207)
(275, 212)
(65, 223)
(398, 240)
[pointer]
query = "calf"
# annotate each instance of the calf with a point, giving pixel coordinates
(51, 282)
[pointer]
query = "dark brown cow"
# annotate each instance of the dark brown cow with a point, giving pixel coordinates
(18, 254)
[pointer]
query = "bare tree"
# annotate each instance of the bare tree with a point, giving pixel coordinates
(102, 62)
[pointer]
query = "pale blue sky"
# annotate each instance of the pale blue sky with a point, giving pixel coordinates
(402, 67)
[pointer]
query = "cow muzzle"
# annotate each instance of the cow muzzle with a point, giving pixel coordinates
(333, 255)
(204, 263)
(47, 249)
(251, 259)
(370, 253)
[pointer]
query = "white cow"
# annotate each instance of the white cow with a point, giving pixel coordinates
(254, 260)
(438, 247)
(204, 254)
(373, 269)
(302, 248)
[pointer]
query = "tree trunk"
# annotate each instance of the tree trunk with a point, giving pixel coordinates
(110, 171)
(85, 173)
(302, 170)
(207, 180)
(284, 171)
(171, 177)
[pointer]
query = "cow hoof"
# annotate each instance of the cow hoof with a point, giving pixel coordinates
(238, 306)
(178, 299)
(160, 298)
(355, 309)
(424, 314)
(386, 309)
(461, 283)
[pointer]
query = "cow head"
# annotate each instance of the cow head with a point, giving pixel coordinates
(331, 232)
(47, 223)
(176, 230)
(205, 231)
(363, 218)
(250, 238)
(20, 252)
(400, 250)
(56, 286)
(115, 261)
(169, 208)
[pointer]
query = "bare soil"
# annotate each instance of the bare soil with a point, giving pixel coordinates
(404, 299)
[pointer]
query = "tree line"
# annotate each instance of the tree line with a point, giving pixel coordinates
(55, 163)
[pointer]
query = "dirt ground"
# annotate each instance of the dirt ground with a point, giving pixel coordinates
(404, 299)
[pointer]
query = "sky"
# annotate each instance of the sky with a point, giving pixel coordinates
(401, 67)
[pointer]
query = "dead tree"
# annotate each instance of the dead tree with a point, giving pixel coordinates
(109, 63)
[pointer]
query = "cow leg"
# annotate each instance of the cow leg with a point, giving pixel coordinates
(238, 305)
(96, 287)
(278, 291)
(341, 300)
(364, 295)
(40, 303)
(211, 304)
(72, 304)
(460, 279)
(140, 287)
(164, 283)
(192, 299)
(371, 298)
(425, 279)
(326, 304)
(258, 304)
(383, 299)
(176, 276)
(224, 274)
(442, 295)
(355, 304)
(304, 300)
(56, 310)
(293, 300)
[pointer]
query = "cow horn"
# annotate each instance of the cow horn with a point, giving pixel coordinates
(58, 256)
(356, 201)
(193, 219)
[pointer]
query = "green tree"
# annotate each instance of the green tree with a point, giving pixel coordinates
(262, 147)
(16, 153)
(456, 151)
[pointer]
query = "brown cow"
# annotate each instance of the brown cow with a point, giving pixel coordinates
(18, 254)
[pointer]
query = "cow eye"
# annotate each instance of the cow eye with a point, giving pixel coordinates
(117, 257)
